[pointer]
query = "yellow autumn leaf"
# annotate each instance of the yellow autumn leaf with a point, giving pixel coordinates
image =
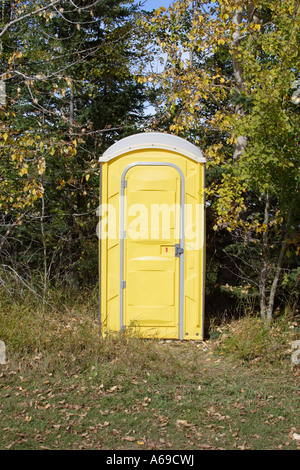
(42, 166)
(23, 171)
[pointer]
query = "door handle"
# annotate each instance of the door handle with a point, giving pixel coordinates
(178, 250)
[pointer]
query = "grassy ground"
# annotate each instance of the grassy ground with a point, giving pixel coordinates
(64, 388)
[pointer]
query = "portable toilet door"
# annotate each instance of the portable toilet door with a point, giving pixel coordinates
(152, 237)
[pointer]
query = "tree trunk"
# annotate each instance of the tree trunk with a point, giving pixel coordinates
(242, 140)
(71, 117)
(45, 277)
(269, 311)
(2, 83)
(241, 143)
(2, 93)
(263, 272)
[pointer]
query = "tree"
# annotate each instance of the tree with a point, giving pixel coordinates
(70, 92)
(244, 104)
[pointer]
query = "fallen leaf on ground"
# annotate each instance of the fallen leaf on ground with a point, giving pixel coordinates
(129, 438)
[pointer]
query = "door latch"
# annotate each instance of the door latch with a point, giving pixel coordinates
(178, 250)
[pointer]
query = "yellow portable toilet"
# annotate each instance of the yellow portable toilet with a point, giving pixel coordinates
(152, 237)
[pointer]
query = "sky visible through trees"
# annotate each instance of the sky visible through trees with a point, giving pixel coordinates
(151, 4)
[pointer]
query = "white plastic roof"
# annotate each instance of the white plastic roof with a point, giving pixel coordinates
(156, 140)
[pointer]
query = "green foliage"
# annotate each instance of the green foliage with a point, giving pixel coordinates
(228, 85)
(70, 93)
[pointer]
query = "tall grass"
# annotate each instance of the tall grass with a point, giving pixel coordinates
(65, 387)
(251, 339)
(66, 334)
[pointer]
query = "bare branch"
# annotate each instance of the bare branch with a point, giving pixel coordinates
(27, 15)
